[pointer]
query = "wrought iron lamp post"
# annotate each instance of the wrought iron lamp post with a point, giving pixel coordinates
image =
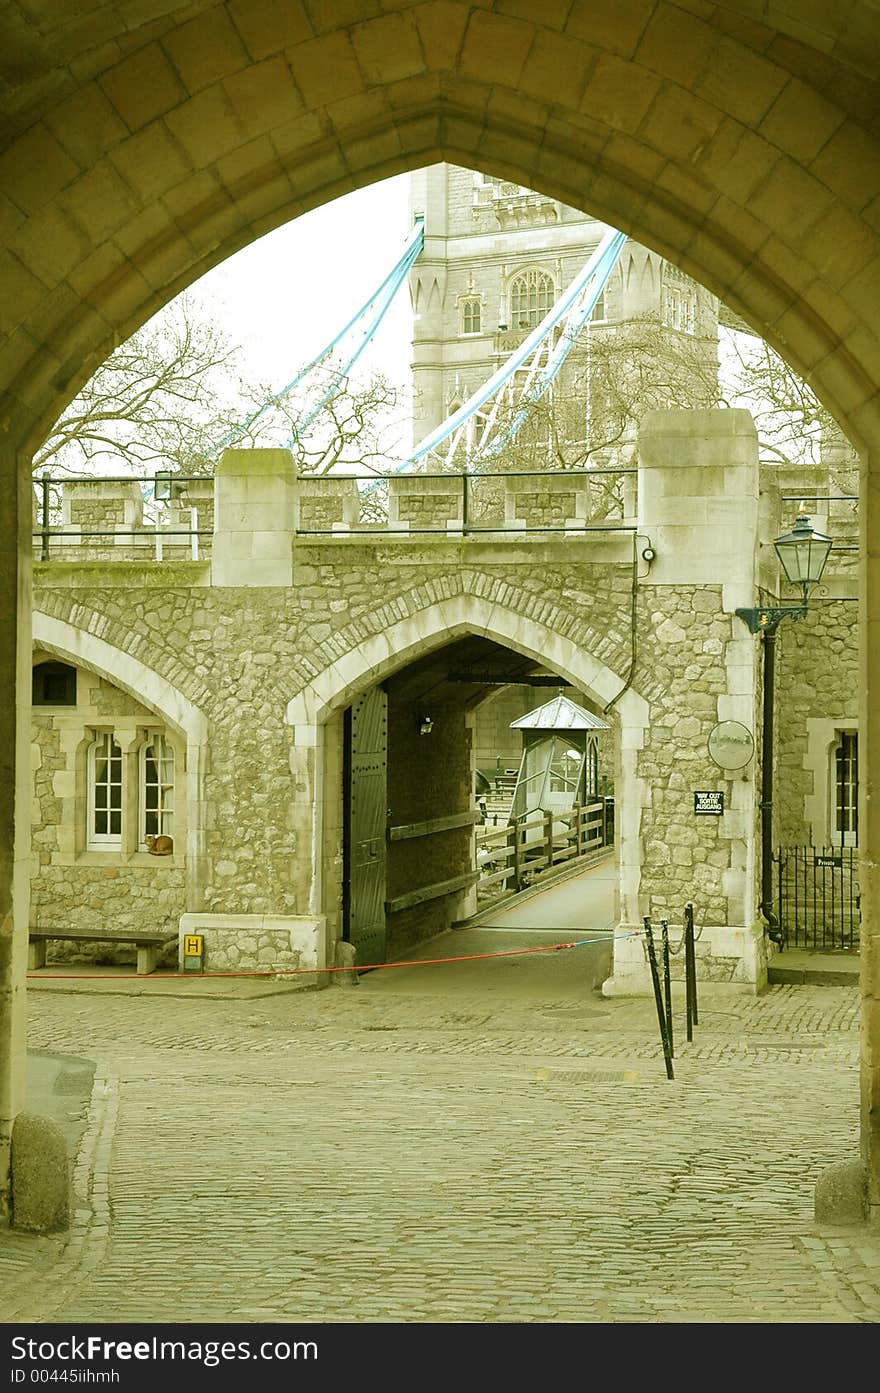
(802, 554)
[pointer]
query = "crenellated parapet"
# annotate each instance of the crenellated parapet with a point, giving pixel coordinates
(255, 504)
(115, 519)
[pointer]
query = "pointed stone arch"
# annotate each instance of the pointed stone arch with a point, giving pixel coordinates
(80, 647)
(318, 706)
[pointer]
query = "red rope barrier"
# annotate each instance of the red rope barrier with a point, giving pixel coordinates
(304, 971)
(313, 971)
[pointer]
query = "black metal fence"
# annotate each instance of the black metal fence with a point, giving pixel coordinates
(819, 896)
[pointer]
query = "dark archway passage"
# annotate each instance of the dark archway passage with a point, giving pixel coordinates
(410, 806)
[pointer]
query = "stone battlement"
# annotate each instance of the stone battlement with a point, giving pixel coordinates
(119, 520)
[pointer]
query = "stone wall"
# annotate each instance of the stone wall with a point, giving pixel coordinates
(270, 654)
(72, 886)
(241, 654)
(816, 690)
(684, 637)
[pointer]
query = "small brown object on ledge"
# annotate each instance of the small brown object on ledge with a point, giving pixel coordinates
(159, 846)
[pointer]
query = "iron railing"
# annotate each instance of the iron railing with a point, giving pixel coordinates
(161, 502)
(465, 503)
(819, 896)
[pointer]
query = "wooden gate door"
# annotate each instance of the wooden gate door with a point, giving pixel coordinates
(366, 762)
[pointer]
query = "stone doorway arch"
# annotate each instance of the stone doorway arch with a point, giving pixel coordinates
(315, 714)
(80, 647)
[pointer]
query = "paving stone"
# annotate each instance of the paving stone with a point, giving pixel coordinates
(462, 1187)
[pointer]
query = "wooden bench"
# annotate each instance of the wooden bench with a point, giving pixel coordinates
(147, 944)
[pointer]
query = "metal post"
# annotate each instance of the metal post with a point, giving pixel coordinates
(517, 855)
(694, 1012)
(768, 699)
(667, 985)
(689, 968)
(658, 998)
(464, 503)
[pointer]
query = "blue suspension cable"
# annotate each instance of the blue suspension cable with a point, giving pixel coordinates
(370, 314)
(589, 283)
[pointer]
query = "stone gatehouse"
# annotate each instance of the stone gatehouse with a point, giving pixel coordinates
(211, 701)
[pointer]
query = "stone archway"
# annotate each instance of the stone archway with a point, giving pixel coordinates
(315, 716)
(732, 149)
(78, 646)
(138, 156)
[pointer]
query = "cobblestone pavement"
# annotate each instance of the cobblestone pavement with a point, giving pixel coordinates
(487, 1142)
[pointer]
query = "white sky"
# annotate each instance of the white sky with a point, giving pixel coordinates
(285, 297)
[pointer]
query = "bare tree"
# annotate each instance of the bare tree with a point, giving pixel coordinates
(589, 416)
(793, 426)
(160, 399)
(332, 423)
(175, 393)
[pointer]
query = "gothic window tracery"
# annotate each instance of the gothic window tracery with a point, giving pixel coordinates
(532, 295)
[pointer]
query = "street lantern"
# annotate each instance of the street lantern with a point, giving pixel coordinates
(802, 554)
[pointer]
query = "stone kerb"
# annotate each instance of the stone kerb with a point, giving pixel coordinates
(254, 518)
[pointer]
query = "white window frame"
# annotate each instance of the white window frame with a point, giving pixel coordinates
(102, 747)
(165, 763)
(680, 310)
(838, 836)
(820, 760)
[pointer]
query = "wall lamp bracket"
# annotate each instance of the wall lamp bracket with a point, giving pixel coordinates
(767, 619)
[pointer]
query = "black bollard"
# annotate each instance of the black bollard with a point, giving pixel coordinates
(689, 918)
(688, 973)
(655, 978)
(667, 985)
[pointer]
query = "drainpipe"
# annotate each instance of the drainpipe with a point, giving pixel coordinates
(774, 932)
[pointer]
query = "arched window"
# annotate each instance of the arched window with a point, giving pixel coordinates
(846, 789)
(679, 310)
(471, 316)
(104, 793)
(157, 788)
(532, 294)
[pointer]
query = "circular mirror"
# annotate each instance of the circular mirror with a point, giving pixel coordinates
(731, 745)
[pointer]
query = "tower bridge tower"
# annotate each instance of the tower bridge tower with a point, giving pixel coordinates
(496, 257)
